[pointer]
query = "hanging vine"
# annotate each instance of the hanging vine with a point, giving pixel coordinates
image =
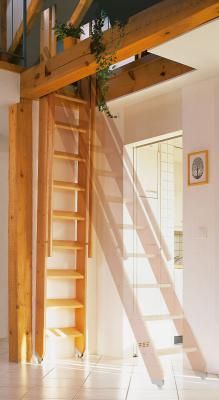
(105, 55)
(105, 59)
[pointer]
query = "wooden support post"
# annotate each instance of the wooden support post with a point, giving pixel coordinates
(43, 214)
(20, 232)
(3, 24)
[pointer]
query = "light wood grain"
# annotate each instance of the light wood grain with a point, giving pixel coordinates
(63, 303)
(64, 274)
(43, 213)
(61, 185)
(68, 156)
(63, 332)
(143, 73)
(145, 30)
(67, 215)
(20, 232)
(69, 127)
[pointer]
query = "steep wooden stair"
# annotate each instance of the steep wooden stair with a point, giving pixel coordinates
(66, 116)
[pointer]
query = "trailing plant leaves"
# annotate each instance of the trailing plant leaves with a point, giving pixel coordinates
(105, 60)
(67, 30)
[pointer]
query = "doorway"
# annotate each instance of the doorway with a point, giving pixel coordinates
(158, 179)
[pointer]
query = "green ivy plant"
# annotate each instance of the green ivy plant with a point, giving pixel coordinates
(67, 30)
(105, 59)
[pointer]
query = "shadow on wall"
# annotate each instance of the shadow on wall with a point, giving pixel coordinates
(110, 199)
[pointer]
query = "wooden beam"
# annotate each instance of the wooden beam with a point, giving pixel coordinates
(153, 26)
(6, 66)
(80, 11)
(33, 10)
(3, 24)
(20, 232)
(143, 73)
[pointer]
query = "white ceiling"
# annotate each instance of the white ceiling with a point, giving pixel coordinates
(198, 49)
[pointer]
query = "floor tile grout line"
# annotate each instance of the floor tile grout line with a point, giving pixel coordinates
(126, 397)
(173, 373)
(80, 387)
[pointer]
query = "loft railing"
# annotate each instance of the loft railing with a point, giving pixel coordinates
(13, 24)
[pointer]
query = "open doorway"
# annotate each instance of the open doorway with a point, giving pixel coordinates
(158, 179)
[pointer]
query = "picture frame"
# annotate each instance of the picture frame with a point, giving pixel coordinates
(198, 168)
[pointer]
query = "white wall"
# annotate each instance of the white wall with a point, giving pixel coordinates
(10, 91)
(3, 225)
(201, 219)
(152, 117)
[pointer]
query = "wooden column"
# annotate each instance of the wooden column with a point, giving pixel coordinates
(20, 232)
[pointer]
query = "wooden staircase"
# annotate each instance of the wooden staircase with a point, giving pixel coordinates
(66, 123)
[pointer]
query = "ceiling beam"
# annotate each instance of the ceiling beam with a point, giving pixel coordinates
(33, 10)
(143, 73)
(145, 30)
(80, 11)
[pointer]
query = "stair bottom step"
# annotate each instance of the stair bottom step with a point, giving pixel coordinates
(63, 332)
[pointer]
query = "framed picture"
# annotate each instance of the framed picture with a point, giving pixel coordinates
(198, 168)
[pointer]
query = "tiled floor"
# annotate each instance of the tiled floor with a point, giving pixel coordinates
(100, 378)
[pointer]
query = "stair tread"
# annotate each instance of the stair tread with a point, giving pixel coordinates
(70, 98)
(69, 127)
(175, 350)
(63, 303)
(61, 214)
(68, 244)
(162, 317)
(64, 273)
(63, 332)
(67, 186)
(68, 156)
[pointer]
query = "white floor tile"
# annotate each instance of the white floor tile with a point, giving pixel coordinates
(100, 378)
